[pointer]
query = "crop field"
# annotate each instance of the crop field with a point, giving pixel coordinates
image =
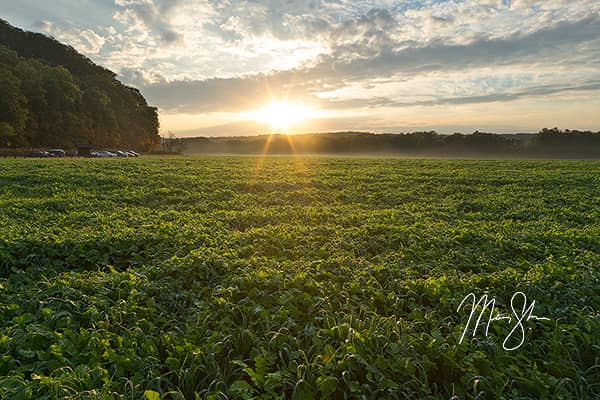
(298, 278)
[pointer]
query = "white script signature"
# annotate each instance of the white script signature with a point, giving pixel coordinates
(519, 315)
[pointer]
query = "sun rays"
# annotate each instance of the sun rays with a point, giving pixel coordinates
(281, 115)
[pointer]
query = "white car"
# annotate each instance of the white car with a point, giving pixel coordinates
(102, 154)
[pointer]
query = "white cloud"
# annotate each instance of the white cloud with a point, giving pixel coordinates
(91, 41)
(225, 55)
(87, 41)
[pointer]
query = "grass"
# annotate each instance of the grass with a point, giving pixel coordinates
(300, 278)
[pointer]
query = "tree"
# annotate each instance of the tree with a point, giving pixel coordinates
(13, 107)
(54, 96)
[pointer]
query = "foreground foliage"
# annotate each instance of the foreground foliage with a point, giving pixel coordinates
(295, 278)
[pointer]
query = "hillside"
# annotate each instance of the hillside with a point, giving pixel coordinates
(54, 96)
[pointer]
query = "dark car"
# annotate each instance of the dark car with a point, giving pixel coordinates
(56, 153)
(38, 154)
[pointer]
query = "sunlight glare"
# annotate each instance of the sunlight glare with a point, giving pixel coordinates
(282, 114)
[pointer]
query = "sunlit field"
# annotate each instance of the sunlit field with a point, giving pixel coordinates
(296, 278)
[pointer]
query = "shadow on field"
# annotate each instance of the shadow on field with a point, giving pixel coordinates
(91, 254)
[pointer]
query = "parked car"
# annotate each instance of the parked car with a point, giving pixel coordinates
(38, 154)
(102, 154)
(114, 153)
(56, 152)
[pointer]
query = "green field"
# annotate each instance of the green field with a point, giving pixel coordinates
(301, 278)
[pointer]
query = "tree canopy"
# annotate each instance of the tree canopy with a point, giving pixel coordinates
(54, 96)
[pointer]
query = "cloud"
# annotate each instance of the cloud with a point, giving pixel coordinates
(138, 77)
(44, 26)
(553, 44)
(233, 37)
(148, 16)
(548, 46)
(87, 41)
(215, 95)
(91, 41)
(530, 92)
(205, 56)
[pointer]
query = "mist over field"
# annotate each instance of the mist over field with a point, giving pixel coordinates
(549, 143)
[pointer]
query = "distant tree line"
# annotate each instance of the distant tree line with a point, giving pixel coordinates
(53, 96)
(548, 142)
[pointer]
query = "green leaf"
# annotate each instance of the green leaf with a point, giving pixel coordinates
(151, 395)
(302, 391)
(242, 388)
(327, 385)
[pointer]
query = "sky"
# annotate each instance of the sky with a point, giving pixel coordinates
(242, 67)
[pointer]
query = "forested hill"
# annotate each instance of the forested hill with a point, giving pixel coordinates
(52, 96)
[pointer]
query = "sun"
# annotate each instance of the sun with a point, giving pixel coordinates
(281, 115)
